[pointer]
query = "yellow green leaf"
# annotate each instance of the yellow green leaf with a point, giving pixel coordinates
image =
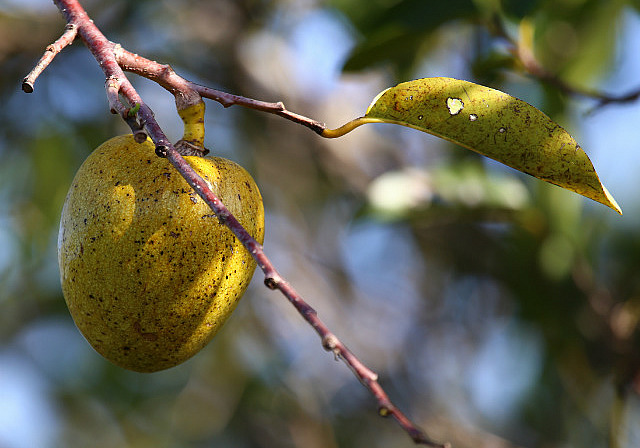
(491, 123)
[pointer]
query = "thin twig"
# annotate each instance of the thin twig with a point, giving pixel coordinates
(278, 108)
(164, 75)
(113, 59)
(50, 52)
(534, 68)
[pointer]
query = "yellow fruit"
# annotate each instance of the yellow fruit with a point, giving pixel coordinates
(148, 272)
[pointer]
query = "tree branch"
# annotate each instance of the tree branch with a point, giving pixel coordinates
(164, 75)
(113, 59)
(50, 52)
(522, 50)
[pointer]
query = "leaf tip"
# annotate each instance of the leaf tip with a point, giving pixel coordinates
(611, 201)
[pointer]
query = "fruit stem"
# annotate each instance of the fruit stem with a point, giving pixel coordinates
(192, 142)
(193, 119)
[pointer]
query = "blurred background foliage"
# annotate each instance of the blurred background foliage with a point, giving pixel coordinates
(498, 310)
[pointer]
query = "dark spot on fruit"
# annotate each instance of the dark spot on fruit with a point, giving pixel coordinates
(147, 336)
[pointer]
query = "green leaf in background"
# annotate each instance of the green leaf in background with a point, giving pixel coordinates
(396, 32)
(491, 123)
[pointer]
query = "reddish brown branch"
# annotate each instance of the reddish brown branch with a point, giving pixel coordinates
(116, 81)
(278, 108)
(184, 90)
(113, 59)
(50, 52)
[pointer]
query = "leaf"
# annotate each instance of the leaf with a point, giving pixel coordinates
(397, 32)
(491, 123)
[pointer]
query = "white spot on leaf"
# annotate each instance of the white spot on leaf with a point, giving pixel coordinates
(455, 105)
(473, 117)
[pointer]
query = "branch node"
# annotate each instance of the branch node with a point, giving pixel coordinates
(330, 343)
(112, 85)
(140, 136)
(384, 411)
(271, 282)
(223, 217)
(161, 151)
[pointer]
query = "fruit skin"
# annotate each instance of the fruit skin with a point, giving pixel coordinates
(147, 270)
